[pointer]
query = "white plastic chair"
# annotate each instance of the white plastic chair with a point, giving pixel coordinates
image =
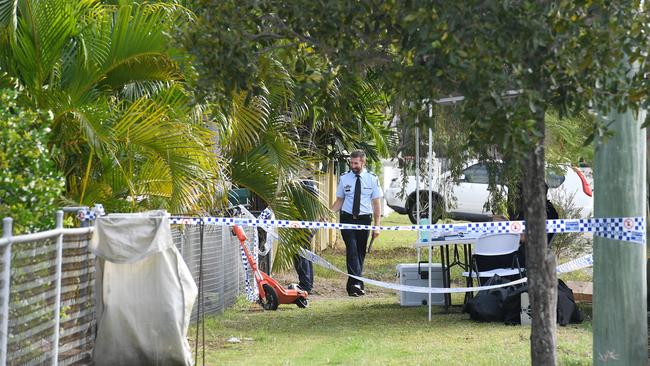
(493, 245)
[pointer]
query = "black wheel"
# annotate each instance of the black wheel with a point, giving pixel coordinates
(438, 207)
(270, 302)
(302, 302)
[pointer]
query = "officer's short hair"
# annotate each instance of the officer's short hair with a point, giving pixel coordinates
(358, 154)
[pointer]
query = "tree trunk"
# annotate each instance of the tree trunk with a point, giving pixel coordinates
(620, 293)
(540, 260)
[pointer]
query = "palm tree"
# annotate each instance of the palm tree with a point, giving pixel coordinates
(271, 139)
(122, 116)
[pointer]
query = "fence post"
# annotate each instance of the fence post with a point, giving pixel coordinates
(7, 229)
(57, 278)
(224, 273)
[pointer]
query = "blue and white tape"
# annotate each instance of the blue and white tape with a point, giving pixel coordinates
(91, 214)
(629, 229)
(574, 265)
(252, 293)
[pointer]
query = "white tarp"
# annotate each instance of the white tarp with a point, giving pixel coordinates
(145, 292)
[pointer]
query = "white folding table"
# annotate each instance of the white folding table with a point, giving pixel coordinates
(444, 242)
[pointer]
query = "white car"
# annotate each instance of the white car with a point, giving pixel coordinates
(465, 197)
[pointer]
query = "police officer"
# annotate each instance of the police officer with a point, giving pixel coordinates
(358, 197)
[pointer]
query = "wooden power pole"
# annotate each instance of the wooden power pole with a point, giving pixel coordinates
(620, 294)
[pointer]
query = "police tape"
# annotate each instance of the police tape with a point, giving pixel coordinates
(629, 229)
(574, 265)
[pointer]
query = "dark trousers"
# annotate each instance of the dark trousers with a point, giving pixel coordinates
(305, 272)
(355, 247)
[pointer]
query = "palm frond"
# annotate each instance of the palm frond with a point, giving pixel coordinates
(145, 129)
(8, 15)
(138, 89)
(141, 68)
(303, 206)
(240, 128)
(43, 29)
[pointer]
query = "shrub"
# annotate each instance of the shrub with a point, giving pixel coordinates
(569, 245)
(30, 185)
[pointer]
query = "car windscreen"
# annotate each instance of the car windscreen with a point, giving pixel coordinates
(554, 180)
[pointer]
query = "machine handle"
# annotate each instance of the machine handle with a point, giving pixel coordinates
(239, 233)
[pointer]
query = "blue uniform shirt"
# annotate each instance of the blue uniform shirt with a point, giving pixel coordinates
(370, 190)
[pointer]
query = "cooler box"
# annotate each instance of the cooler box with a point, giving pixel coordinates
(412, 274)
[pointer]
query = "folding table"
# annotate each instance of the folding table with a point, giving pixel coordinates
(451, 258)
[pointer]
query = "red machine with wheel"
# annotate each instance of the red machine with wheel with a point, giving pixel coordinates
(272, 293)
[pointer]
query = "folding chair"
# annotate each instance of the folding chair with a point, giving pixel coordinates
(492, 245)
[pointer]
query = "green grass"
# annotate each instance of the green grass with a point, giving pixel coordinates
(375, 330)
(395, 239)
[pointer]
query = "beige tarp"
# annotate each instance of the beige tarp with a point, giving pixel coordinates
(145, 292)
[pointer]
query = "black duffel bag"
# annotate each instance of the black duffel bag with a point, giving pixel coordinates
(487, 305)
(567, 310)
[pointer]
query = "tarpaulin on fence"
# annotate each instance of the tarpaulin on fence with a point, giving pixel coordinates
(145, 292)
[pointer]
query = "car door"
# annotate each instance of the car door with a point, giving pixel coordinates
(472, 193)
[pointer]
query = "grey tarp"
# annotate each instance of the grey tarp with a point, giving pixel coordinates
(145, 292)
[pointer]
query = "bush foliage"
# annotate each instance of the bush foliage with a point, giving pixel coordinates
(30, 185)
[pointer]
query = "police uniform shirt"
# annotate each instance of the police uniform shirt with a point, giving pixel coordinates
(369, 190)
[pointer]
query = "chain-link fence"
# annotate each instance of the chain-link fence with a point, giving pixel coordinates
(221, 274)
(31, 266)
(47, 297)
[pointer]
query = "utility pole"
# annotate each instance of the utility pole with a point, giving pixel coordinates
(620, 292)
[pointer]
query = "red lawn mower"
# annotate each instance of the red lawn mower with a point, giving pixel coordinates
(272, 293)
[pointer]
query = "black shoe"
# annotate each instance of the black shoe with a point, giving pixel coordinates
(303, 289)
(358, 290)
(354, 294)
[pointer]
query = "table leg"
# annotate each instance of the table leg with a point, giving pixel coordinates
(447, 275)
(467, 255)
(443, 263)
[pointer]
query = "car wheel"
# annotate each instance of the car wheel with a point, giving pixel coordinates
(437, 210)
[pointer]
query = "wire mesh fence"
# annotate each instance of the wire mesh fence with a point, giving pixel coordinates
(214, 260)
(221, 270)
(32, 314)
(31, 303)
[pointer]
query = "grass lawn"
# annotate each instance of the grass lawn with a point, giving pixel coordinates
(375, 329)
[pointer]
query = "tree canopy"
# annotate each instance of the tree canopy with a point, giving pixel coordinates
(512, 61)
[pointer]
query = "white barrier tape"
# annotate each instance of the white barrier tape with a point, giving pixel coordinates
(630, 229)
(248, 287)
(271, 233)
(91, 214)
(574, 265)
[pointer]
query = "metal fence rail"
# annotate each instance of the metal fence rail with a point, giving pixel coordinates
(47, 286)
(46, 296)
